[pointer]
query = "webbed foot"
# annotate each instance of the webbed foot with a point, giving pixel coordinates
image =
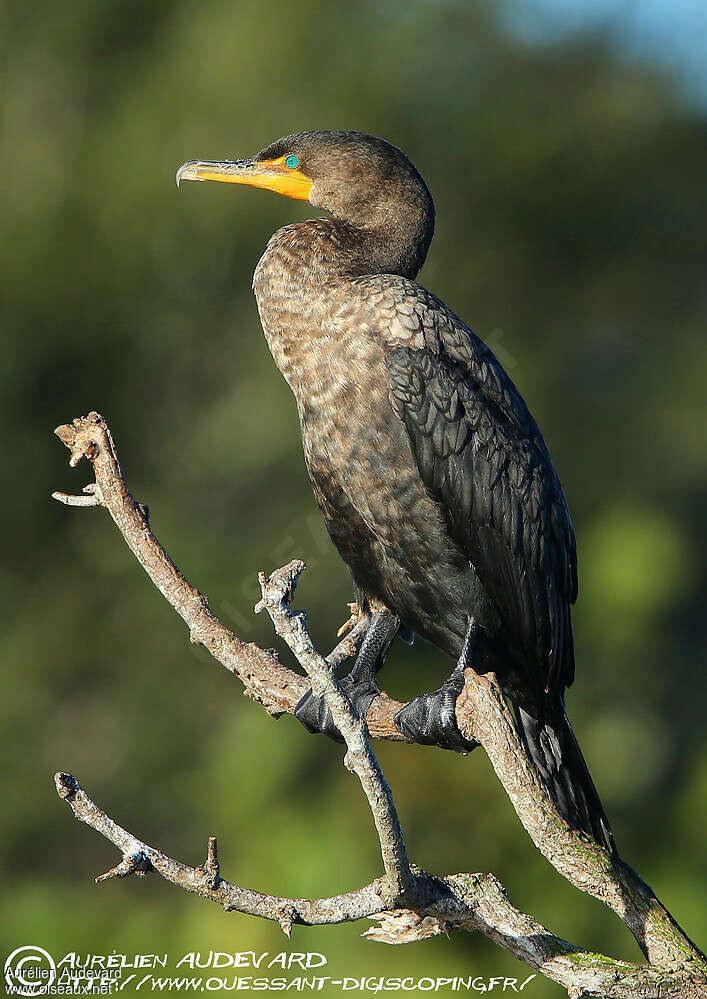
(431, 719)
(360, 686)
(315, 715)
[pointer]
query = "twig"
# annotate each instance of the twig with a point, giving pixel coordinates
(265, 679)
(201, 880)
(278, 591)
(456, 902)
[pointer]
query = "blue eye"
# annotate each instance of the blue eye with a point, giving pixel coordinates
(292, 162)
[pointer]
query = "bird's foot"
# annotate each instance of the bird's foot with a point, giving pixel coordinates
(315, 715)
(360, 685)
(430, 719)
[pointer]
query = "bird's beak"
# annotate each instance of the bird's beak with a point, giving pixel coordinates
(272, 175)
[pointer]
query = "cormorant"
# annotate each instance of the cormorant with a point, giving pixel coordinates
(434, 480)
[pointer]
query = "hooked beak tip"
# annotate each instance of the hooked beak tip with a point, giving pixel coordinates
(184, 168)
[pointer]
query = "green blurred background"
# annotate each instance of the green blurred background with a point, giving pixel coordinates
(569, 175)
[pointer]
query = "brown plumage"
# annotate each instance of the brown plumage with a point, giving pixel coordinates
(433, 478)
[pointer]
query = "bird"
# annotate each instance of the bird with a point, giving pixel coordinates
(432, 476)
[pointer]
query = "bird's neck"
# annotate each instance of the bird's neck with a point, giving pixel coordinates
(303, 267)
(331, 248)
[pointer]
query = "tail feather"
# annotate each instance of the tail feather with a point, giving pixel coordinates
(552, 746)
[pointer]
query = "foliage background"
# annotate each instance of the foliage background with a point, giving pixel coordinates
(570, 187)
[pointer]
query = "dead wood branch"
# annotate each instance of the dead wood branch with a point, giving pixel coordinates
(483, 713)
(278, 590)
(456, 902)
(265, 679)
(408, 904)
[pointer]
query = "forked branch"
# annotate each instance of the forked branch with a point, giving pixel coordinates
(456, 902)
(265, 679)
(407, 903)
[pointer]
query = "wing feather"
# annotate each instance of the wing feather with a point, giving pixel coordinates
(481, 454)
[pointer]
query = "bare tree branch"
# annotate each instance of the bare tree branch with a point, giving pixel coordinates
(433, 905)
(483, 713)
(278, 590)
(456, 902)
(265, 679)
(206, 880)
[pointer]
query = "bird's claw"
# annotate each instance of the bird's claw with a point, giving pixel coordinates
(315, 715)
(430, 719)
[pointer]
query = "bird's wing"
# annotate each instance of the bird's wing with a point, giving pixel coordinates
(481, 455)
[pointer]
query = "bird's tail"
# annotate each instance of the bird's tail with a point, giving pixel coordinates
(552, 746)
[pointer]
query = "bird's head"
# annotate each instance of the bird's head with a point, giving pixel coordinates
(359, 178)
